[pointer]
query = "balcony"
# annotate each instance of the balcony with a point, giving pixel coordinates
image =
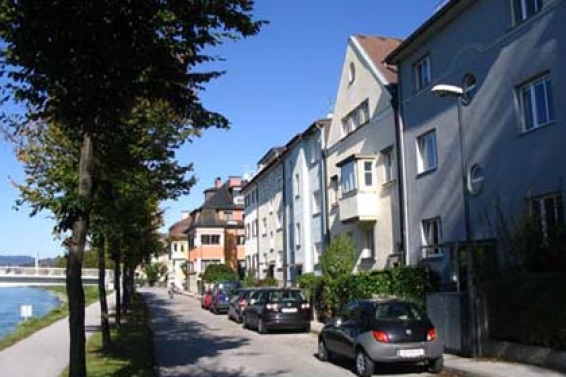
(359, 206)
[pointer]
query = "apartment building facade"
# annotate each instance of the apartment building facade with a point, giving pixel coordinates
(490, 151)
(216, 232)
(178, 250)
(362, 153)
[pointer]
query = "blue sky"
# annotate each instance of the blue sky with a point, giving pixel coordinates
(276, 85)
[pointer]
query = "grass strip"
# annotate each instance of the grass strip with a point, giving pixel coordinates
(29, 327)
(131, 351)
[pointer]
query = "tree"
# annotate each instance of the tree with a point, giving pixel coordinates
(85, 66)
(218, 272)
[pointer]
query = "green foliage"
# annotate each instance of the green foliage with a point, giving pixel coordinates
(340, 257)
(250, 279)
(154, 272)
(267, 282)
(218, 272)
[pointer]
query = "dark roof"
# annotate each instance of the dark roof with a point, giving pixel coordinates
(377, 49)
(222, 199)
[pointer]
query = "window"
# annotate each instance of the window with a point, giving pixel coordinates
(247, 231)
(426, 152)
(316, 202)
(298, 235)
(207, 262)
(351, 73)
(228, 215)
(297, 185)
(348, 176)
(388, 165)
(254, 228)
(422, 73)
(469, 88)
(368, 243)
(549, 210)
(264, 226)
(431, 237)
(240, 240)
(537, 104)
(355, 118)
(210, 239)
(368, 173)
(524, 9)
(279, 219)
(333, 190)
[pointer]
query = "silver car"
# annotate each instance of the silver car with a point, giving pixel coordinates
(381, 331)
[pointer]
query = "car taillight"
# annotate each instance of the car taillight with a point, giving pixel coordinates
(431, 335)
(271, 307)
(305, 306)
(381, 336)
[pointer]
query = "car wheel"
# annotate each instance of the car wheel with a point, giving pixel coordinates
(364, 365)
(323, 354)
(261, 327)
(435, 365)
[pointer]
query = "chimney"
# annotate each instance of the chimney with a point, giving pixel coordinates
(185, 214)
(218, 182)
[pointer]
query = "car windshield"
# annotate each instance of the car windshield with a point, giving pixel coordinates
(398, 311)
(227, 288)
(286, 296)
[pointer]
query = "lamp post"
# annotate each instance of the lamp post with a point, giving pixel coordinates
(443, 90)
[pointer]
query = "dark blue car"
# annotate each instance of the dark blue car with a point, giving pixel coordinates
(221, 294)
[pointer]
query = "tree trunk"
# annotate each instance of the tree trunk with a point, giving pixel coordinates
(104, 317)
(117, 275)
(126, 288)
(76, 247)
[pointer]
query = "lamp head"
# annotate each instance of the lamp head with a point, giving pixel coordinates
(443, 90)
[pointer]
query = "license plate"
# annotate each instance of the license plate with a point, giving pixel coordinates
(288, 310)
(411, 352)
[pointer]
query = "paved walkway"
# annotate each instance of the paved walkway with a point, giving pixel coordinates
(46, 353)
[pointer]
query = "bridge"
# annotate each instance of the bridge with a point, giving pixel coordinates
(14, 276)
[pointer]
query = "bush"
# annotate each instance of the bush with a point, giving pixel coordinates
(218, 272)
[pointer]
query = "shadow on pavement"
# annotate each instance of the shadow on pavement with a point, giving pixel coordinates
(181, 342)
(380, 369)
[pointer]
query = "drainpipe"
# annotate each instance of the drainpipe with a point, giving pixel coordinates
(323, 186)
(395, 104)
(284, 225)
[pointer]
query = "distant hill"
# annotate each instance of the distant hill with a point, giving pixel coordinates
(16, 260)
(24, 260)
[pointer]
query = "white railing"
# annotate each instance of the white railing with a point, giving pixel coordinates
(54, 272)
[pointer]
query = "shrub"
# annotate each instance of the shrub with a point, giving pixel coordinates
(218, 272)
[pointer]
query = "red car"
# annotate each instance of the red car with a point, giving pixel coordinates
(206, 300)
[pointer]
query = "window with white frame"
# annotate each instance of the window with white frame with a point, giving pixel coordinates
(264, 226)
(279, 219)
(524, 9)
(369, 242)
(210, 239)
(298, 235)
(355, 118)
(207, 262)
(368, 173)
(422, 73)
(387, 165)
(426, 152)
(549, 209)
(317, 252)
(431, 237)
(537, 103)
(297, 181)
(348, 177)
(316, 202)
(351, 73)
(254, 228)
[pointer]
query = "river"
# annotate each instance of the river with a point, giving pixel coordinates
(41, 300)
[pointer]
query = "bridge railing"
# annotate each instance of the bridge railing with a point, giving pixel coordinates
(49, 272)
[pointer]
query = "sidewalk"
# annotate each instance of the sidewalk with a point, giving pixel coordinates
(46, 353)
(471, 367)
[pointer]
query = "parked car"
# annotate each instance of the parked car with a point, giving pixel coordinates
(277, 308)
(221, 293)
(381, 331)
(206, 299)
(238, 303)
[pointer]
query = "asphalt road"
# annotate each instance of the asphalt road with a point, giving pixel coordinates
(192, 342)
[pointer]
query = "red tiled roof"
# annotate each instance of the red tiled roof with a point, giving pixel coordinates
(377, 49)
(178, 229)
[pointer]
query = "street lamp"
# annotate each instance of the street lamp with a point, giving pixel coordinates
(443, 90)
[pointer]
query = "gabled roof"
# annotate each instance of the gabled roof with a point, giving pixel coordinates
(376, 49)
(222, 199)
(178, 229)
